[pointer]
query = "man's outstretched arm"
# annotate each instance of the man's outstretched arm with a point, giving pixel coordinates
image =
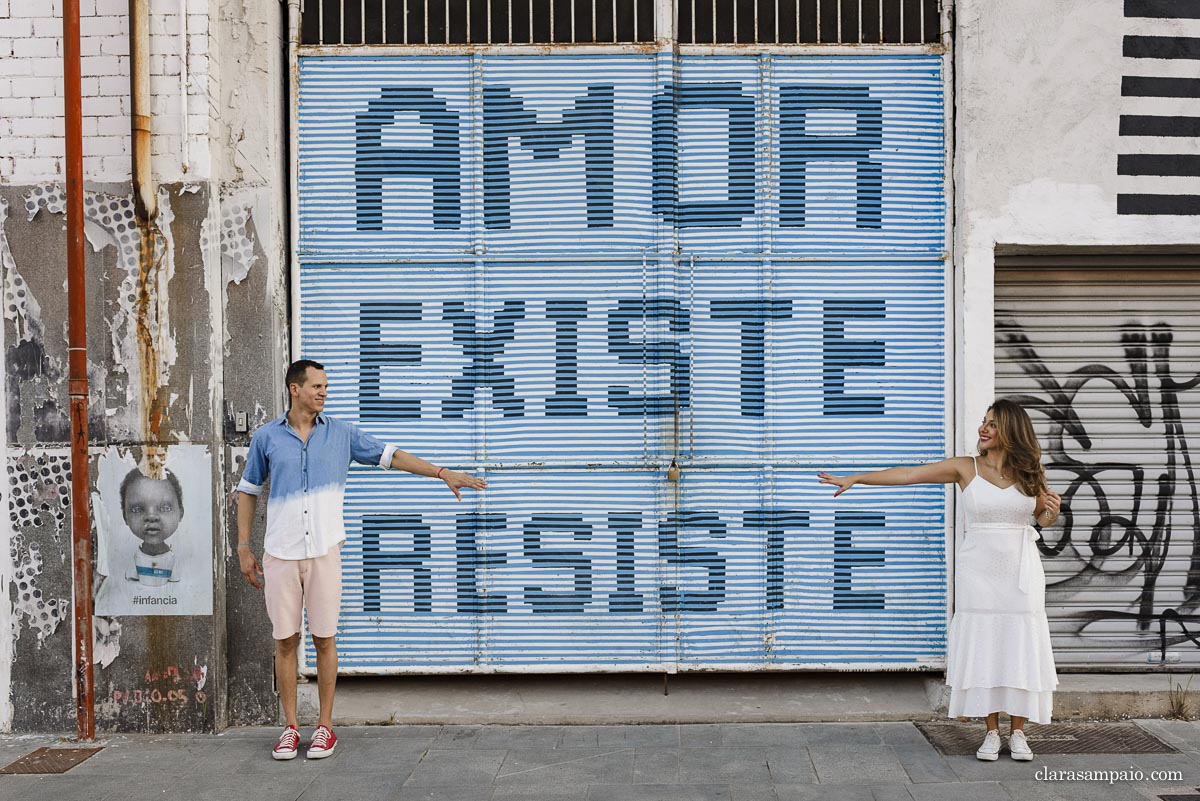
(402, 460)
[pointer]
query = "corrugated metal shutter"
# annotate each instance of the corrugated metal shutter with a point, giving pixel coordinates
(1106, 358)
(568, 271)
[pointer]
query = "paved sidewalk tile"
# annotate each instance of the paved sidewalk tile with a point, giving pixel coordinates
(891, 792)
(519, 793)
(970, 769)
(767, 734)
(519, 737)
(861, 764)
(213, 786)
(58, 788)
(1183, 734)
(654, 765)
(1075, 791)
(350, 787)
(452, 737)
(754, 792)
(168, 758)
(700, 735)
(723, 765)
(825, 792)
(565, 767)
(443, 794)
(608, 736)
(456, 769)
(659, 792)
(903, 734)
(581, 736)
(790, 765)
(924, 765)
(1186, 764)
(980, 791)
(821, 734)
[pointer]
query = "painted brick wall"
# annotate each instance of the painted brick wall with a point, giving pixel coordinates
(31, 89)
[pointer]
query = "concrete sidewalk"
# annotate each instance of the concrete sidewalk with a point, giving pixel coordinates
(715, 698)
(881, 761)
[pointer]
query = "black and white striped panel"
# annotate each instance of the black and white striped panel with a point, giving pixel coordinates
(1159, 160)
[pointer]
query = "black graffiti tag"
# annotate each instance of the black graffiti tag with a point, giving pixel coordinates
(1145, 534)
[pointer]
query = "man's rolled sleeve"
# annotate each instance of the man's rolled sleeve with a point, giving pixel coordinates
(255, 472)
(365, 449)
(385, 461)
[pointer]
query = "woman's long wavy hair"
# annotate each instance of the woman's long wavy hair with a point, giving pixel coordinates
(1022, 453)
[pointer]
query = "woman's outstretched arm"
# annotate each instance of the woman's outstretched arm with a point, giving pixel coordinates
(957, 469)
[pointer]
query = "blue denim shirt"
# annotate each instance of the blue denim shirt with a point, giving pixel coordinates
(308, 481)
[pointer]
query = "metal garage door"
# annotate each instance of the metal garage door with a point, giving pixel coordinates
(649, 297)
(1106, 354)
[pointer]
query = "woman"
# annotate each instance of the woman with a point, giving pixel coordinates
(999, 656)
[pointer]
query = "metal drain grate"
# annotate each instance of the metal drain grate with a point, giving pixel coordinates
(960, 739)
(50, 760)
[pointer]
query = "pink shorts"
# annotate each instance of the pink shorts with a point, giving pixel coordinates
(314, 585)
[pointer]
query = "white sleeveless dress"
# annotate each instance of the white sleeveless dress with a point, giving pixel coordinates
(999, 657)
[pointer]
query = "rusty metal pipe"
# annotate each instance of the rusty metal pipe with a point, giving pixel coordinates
(77, 384)
(145, 195)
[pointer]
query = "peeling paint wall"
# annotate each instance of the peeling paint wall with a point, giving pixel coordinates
(180, 341)
(32, 253)
(252, 161)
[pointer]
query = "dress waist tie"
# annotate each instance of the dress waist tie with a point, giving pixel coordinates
(1027, 557)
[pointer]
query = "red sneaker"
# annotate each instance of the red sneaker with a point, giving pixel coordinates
(323, 743)
(288, 745)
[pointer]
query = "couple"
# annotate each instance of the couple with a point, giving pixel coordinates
(999, 646)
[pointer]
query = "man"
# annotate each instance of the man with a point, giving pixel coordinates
(306, 454)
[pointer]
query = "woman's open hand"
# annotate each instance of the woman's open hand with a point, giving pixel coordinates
(842, 483)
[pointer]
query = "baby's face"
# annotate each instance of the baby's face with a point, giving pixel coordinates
(152, 510)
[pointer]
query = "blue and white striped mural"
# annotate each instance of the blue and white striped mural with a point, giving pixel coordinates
(567, 272)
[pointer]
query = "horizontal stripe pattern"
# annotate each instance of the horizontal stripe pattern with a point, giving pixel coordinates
(1151, 86)
(782, 363)
(1093, 356)
(774, 154)
(1168, 9)
(759, 569)
(764, 299)
(1160, 144)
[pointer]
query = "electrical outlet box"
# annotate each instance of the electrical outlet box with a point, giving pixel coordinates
(241, 424)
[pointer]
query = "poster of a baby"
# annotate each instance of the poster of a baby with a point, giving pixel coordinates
(152, 509)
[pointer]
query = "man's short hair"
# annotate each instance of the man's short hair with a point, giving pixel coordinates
(297, 372)
(135, 474)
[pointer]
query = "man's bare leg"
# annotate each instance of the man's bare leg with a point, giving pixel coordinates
(327, 667)
(285, 677)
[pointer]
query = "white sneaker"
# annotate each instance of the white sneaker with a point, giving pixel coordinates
(990, 750)
(1018, 746)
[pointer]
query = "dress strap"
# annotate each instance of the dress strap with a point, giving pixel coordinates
(975, 461)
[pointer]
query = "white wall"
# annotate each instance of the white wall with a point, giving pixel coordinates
(31, 89)
(1038, 96)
